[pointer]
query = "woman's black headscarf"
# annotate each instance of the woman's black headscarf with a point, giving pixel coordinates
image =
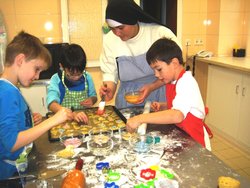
(128, 12)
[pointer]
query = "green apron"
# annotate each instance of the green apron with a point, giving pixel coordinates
(73, 98)
(21, 162)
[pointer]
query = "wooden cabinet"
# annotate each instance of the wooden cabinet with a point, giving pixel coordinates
(228, 99)
(244, 120)
(36, 97)
(201, 75)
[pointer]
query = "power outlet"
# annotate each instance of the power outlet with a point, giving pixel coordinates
(198, 42)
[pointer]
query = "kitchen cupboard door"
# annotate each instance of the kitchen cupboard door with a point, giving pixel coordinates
(244, 123)
(223, 99)
(36, 98)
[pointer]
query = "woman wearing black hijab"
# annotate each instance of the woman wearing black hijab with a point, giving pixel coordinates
(124, 53)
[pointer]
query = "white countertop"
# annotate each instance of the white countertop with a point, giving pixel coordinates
(238, 63)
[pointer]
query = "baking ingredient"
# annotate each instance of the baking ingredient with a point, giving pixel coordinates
(67, 152)
(75, 142)
(75, 178)
(110, 120)
(132, 97)
(228, 182)
(127, 135)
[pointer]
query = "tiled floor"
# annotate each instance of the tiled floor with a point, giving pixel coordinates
(231, 155)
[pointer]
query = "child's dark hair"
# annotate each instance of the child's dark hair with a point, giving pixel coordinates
(74, 58)
(30, 46)
(164, 50)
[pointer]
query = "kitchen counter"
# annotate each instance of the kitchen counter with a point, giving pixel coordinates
(238, 63)
(200, 69)
(231, 75)
(191, 164)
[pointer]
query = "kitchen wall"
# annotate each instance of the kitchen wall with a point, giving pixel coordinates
(44, 20)
(220, 25)
(85, 25)
(193, 29)
(33, 16)
(215, 25)
(230, 27)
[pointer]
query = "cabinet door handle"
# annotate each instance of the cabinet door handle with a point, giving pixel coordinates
(237, 89)
(43, 101)
(243, 91)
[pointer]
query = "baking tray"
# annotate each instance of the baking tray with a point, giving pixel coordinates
(111, 119)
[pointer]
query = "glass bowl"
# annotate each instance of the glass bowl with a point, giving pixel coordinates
(100, 143)
(141, 143)
(132, 96)
(125, 135)
(74, 139)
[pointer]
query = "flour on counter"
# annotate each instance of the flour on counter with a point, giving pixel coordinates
(126, 162)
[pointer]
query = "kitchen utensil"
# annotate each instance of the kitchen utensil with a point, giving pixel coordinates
(142, 143)
(75, 177)
(132, 96)
(47, 174)
(114, 120)
(101, 105)
(75, 139)
(125, 135)
(143, 127)
(25, 177)
(100, 142)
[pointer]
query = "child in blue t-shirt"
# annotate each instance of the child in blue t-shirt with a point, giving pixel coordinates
(72, 87)
(25, 58)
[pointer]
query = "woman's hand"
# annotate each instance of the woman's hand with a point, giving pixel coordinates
(37, 118)
(108, 89)
(148, 88)
(80, 117)
(144, 93)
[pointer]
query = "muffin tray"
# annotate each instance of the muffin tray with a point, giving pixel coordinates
(112, 119)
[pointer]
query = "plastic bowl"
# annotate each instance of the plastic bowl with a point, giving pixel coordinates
(132, 96)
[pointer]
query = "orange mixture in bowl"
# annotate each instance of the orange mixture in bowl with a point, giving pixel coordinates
(132, 97)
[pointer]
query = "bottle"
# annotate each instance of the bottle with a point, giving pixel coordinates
(75, 178)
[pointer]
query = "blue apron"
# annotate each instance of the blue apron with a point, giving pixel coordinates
(134, 72)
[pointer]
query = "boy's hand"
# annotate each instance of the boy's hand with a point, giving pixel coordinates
(87, 102)
(63, 115)
(37, 118)
(156, 106)
(80, 117)
(133, 123)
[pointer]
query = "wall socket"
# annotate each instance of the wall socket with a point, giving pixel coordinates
(198, 42)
